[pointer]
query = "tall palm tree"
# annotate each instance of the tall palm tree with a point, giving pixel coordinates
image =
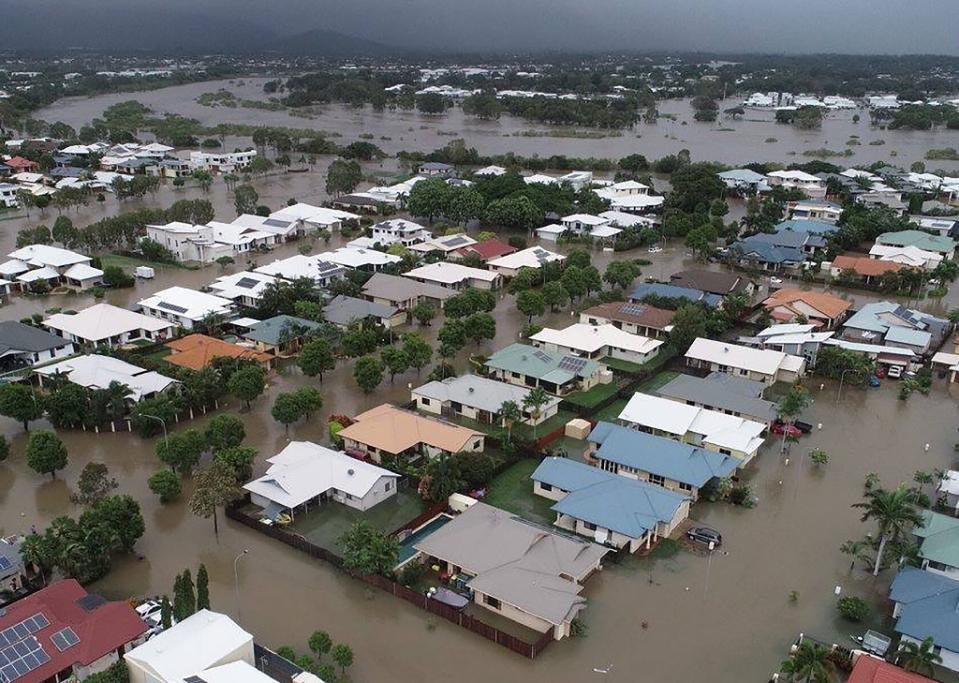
(535, 400)
(893, 511)
(510, 413)
(119, 394)
(919, 658)
(809, 663)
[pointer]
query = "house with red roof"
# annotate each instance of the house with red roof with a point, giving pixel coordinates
(874, 670)
(22, 165)
(63, 631)
(485, 250)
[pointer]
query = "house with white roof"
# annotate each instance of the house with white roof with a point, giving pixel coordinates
(207, 243)
(908, 256)
(533, 257)
(399, 231)
(313, 218)
(8, 196)
(185, 307)
(243, 288)
(284, 229)
(813, 186)
(110, 326)
(478, 398)
(815, 210)
(53, 264)
(369, 260)
(455, 275)
(305, 474)
(445, 244)
(490, 171)
(540, 179)
(588, 225)
(203, 642)
(99, 372)
(762, 365)
(242, 238)
(744, 181)
(218, 162)
(621, 219)
(317, 268)
(711, 429)
(598, 342)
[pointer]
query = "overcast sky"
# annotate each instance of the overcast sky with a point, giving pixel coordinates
(789, 26)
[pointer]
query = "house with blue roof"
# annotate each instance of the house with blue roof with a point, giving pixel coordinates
(885, 322)
(658, 290)
(927, 606)
(672, 465)
(812, 226)
(776, 251)
(614, 511)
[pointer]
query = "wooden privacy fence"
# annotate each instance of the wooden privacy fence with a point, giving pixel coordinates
(466, 621)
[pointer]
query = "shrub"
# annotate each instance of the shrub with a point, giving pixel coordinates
(166, 484)
(411, 573)
(852, 608)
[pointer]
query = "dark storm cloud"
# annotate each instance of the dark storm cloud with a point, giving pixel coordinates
(859, 26)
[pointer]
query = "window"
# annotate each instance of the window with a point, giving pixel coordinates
(491, 601)
(424, 401)
(685, 487)
(725, 451)
(589, 527)
(476, 445)
(657, 479)
(546, 487)
(389, 486)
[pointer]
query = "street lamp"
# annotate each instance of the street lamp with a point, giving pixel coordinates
(162, 422)
(236, 581)
(842, 376)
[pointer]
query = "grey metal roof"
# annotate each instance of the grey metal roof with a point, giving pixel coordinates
(720, 391)
(477, 392)
(401, 289)
(11, 563)
(343, 310)
(15, 336)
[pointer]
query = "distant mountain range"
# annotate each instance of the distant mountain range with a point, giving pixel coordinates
(133, 27)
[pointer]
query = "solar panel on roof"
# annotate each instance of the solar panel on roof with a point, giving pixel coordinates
(632, 309)
(90, 602)
(545, 357)
(5, 563)
(65, 638)
(21, 659)
(572, 363)
(275, 223)
(247, 283)
(325, 266)
(193, 679)
(171, 307)
(456, 241)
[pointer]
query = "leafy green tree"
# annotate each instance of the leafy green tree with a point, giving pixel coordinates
(184, 596)
(791, 406)
(95, 483)
(480, 326)
(510, 413)
(418, 351)
(245, 199)
(574, 281)
(214, 487)
(919, 658)
(688, 324)
(368, 373)
(310, 399)
(395, 361)
(166, 612)
(463, 204)
(531, 303)
(68, 405)
(19, 402)
(121, 515)
(181, 451)
(534, 401)
(202, 588)
(240, 459)
(424, 313)
(342, 177)
(366, 550)
(286, 409)
(428, 198)
(316, 357)
(894, 512)
(809, 663)
(224, 431)
(320, 644)
(555, 295)
(46, 453)
(622, 274)
(247, 383)
(517, 213)
(165, 484)
(343, 656)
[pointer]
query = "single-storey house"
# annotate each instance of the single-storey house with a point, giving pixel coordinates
(518, 570)
(862, 268)
(533, 257)
(927, 606)
(792, 339)
(870, 669)
(623, 513)
(404, 293)
(744, 181)
(827, 212)
(811, 185)
(98, 372)
(921, 239)
(656, 290)
(245, 288)
(185, 307)
(484, 251)
(884, 322)
(724, 393)
(948, 489)
(824, 310)
(761, 365)
(456, 276)
(55, 265)
(908, 256)
(313, 218)
(445, 244)
(369, 260)
(598, 342)
(478, 398)
(305, 474)
(559, 374)
(393, 432)
(108, 325)
(938, 538)
(13, 571)
(198, 351)
(726, 434)
(317, 268)
(673, 465)
(343, 311)
(63, 633)
(284, 229)
(721, 283)
(24, 345)
(635, 318)
(281, 335)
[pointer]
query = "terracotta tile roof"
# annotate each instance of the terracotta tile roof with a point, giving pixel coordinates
(393, 430)
(100, 626)
(197, 351)
(865, 266)
(637, 314)
(872, 670)
(488, 249)
(21, 163)
(831, 306)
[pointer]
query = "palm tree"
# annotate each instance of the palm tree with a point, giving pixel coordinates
(510, 413)
(535, 400)
(919, 658)
(118, 394)
(809, 663)
(791, 407)
(894, 511)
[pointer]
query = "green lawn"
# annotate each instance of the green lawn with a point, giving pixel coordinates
(593, 397)
(657, 381)
(512, 491)
(611, 412)
(521, 431)
(620, 365)
(129, 264)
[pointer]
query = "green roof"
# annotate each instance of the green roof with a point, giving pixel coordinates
(549, 366)
(917, 238)
(940, 538)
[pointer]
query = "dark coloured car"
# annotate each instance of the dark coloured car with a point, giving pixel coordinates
(704, 535)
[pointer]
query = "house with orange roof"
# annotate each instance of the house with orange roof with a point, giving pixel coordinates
(22, 165)
(868, 270)
(821, 309)
(869, 669)
(198, 351)
(391, 431)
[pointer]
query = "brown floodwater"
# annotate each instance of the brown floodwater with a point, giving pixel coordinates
(731, 616)
(756, 137)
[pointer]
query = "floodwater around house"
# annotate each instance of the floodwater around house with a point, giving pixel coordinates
(756, 137)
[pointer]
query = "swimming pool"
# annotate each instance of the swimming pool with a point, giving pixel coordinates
(406, 546)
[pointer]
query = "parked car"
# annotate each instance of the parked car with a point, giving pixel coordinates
(804, 427)
(655, 249)
(149, 609)
(895, 372)
(773, 280)
(790, 430)
(704, 535)
(881, 371)
(874, 381)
